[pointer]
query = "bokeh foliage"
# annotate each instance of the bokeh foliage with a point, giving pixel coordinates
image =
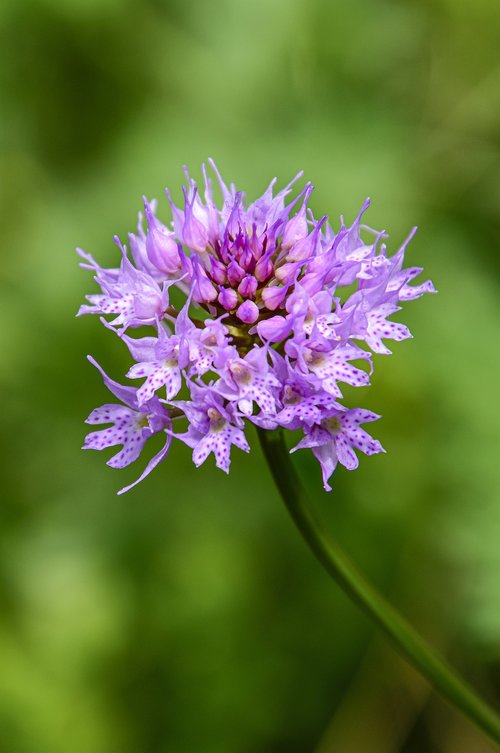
(188, 615)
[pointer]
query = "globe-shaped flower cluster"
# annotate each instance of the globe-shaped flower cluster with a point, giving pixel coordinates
(276, 304)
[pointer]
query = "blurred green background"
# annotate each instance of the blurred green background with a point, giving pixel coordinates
(188, 615)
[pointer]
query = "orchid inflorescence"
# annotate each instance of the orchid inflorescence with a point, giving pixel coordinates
(276, 303)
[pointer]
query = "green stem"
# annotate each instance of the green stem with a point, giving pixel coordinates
(424, 658)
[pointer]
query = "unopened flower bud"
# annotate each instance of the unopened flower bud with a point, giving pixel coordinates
(296, 228)
(286, 273)
(248, 312)
(264, 268)
(306, 248)
(217, 271)
(274, 296)
(228, 298)
(235, 273)
(194, 234)
(248, 287)
(161, 248)
(203, 290)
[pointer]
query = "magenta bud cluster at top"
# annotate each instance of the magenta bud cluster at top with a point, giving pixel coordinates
(277, 307)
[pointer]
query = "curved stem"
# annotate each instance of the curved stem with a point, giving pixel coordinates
(424, 658)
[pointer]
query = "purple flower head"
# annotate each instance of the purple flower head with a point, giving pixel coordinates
(281, 309)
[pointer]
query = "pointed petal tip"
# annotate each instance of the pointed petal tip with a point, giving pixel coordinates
(120, 245)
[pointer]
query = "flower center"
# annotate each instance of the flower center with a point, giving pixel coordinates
(172, 361)
(241, 373)
(313, 358)
(332, 425)
(290, 395)
(217, 421)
